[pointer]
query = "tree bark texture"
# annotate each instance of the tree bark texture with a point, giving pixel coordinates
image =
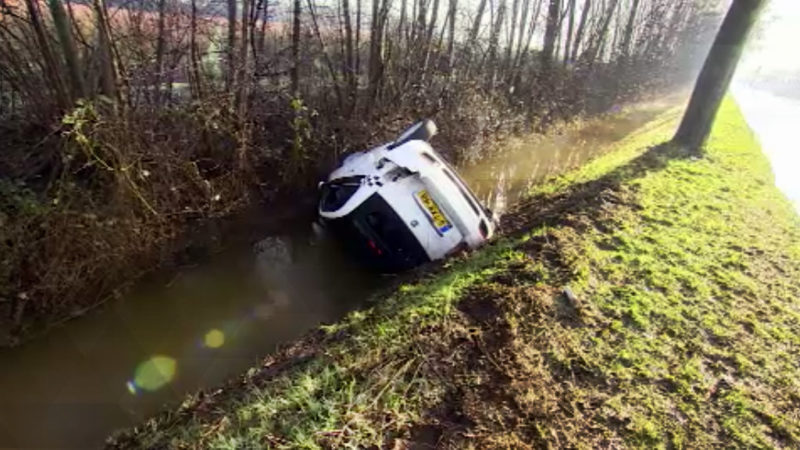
(717, 72)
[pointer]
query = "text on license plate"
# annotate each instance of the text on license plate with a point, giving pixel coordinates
(439, 220)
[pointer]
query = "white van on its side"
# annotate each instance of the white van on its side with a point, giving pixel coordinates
(400, 204)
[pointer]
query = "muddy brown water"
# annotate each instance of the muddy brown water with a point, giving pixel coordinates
(113, 368)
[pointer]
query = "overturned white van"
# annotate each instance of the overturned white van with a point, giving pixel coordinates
(400, 205)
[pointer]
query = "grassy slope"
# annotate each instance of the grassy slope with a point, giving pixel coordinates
(684, 326)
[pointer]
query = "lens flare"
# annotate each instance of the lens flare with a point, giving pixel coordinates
(214, 339)
(154, 373)
(131, 387)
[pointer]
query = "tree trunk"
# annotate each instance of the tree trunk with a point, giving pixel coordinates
(242, 85)
(628, 36)
(512, 31)
(349, 59)
(718, 70)
(523, 20)
(295, 73)
(429, 37)
(230, 72)
(494, 42)
(242, 74)
(570, 30)
(62, 25)
(599, 40)
(108, 72)
(328, 63)
(76, 29)
(522, 51)
(255, 14)
(161, 40)
(380, 9)
(476, 25)
(432, 23)
(51, 66)
(193, 54)
(587, 6)
(451, 34)
(401, 24)
(357, 74)
(262, 34)
(551, 32)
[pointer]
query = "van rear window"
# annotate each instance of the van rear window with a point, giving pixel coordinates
(375, 233)
(337, 192)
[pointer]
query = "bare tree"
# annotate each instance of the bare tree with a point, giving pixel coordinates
(241, 86)
(523, 21)
(587, 6)
(522, 51)
(326, 57)
(551, 32)
(628, 37)
(49, 62)
(601, 34)
(230, 72)
(295, 72)
(108, 69)
(451, 35)
(429, 37)
(262, 34)
(161, 43)
(68, 48)
(476, 24)
(380, 10)
(358, 51)
(494, 41)
(570, 13)
(196, 80)
(349, 59)
(243, 72)
(718, 70)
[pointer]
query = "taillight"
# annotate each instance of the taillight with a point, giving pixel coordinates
(484, 229)
(374, 247)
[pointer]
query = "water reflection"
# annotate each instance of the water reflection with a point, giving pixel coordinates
(124, 363)
(503, 177)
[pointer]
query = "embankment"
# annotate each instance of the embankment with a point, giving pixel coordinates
(649, 298)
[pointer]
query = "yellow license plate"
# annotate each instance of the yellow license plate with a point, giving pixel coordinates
(440, 222)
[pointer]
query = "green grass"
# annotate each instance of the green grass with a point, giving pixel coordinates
(685, 331)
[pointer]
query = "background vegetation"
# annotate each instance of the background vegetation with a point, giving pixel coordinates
(123, 123)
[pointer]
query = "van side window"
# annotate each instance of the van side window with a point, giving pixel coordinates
(464, 193)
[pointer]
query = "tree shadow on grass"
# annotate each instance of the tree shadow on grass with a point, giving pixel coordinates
(589, 198)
